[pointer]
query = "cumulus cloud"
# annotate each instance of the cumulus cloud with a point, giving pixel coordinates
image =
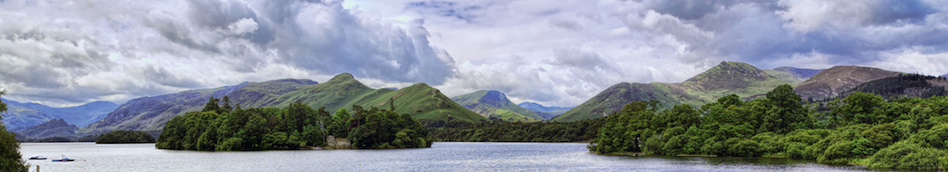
(66, 53)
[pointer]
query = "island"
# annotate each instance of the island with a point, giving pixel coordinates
(122, 136)
(297, 126)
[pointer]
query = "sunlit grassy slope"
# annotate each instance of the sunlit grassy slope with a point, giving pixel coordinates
(724, 79)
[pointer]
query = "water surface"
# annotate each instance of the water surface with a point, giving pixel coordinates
(442, 156)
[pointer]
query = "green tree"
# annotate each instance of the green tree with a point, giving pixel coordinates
(859, 107)
(212, 105)
(785, 113)
(10, 158)
(339, 125)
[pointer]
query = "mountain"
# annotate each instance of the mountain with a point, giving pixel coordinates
(793, 75)
(423, 102)
(833, 81)
(151, 113)
(23, 115)
(903, 85)
(945, 75)
(544, 111)
(724, 79)
(52, 128)
(494, 104)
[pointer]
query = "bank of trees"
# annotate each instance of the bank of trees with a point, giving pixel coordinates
(500, 131)
(864, 129)
(222, 128)
(122, 136)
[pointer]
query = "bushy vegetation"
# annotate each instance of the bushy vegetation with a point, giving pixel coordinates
(501, 131)
(863, 129)
(222, 128)
(123, 136)
(10, 158)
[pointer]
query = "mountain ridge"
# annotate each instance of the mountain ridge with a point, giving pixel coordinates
(831, 82)
(726, 78)
(494, 104)
(24, 115)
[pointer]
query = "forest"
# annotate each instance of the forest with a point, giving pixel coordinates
(502, 131)
(122, 136)
(223, 128)
(860, 129)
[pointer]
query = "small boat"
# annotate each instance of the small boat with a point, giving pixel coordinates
(63, 160)
(38, 158)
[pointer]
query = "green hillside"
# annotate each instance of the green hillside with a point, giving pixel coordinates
(343, 91)
(724, 79)
(494, 104)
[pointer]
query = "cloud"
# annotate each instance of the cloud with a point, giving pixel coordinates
(559, 53)
(67, 53)
(571, 47)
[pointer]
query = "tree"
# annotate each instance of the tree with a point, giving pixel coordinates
(212, 105)
(10, 158)
(227, 103)
(859, 107)
(785, 111)
(339, 124)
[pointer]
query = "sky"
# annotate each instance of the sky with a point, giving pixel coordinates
(557, 53)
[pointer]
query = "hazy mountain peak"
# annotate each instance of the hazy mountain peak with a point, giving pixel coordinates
(799, 72)
(493, 103)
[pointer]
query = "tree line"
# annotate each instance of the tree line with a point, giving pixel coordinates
(861, 129)
(123, 136)
(502, 131)
(225, 128)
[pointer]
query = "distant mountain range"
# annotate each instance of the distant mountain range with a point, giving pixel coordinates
(22, 115)
(544, 111)
(738, 78)
(724, 79)
(494, 104)
(427, 103)
(792, 75)
(342, 91)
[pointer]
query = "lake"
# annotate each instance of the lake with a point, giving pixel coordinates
(442, 156)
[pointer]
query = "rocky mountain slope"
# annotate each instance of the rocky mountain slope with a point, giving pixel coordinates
(829, 83)
(52, 128)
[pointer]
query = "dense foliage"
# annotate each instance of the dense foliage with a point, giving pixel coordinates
(10, 158)
(862, 129)
(123, 136)
(500, 131)
(903, 85)
(220, 128)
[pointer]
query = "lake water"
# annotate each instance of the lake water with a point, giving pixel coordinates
(442, 156)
